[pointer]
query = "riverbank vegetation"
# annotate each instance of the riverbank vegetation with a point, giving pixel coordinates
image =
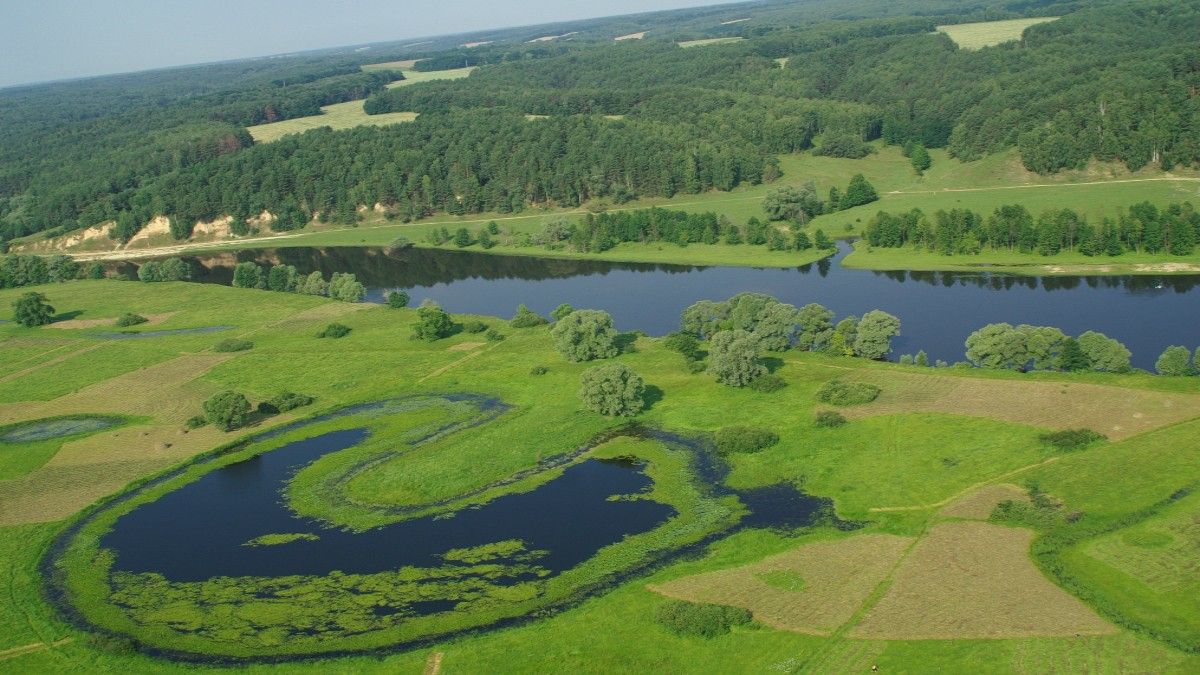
(936, 451)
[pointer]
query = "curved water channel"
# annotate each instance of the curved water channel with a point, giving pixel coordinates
(206, 528)
(937, 309)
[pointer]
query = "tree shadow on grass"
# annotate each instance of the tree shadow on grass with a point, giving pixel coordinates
(624, 342)
(651, 395)
(67, 316)
(773, 363)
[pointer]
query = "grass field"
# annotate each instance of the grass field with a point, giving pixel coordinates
(990, 33)
(942, 461)
(709, 41)
(337, 116)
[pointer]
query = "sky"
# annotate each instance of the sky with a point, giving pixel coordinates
(43, 40)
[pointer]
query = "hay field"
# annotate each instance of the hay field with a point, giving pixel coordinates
(970, 580)
(417, 76)
(812, 589)
(990, 33)
(1116, 412)
(709, 41)
(978, 505)
(337, 116)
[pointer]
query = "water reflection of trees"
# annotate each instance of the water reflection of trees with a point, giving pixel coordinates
(1004, 282)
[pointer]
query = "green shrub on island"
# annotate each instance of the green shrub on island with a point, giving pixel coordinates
(744, 439)
(334, 331)
(1071, 439)
(705, 620)
(613, 390)
(828, 419)
(839, 393)
(233, 345)
(127, 320)
(227, 411)
(527, 318)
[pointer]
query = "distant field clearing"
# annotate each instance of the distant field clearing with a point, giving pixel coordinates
(709, 41)
(337, 116)
(990, 33)
(631, 36)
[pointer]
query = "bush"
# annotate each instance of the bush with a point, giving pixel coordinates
(539, 370)
(474, 327)
(585, 335)
(233, 345)
(127, 320)
(828, 419)
(847, 146)
(397, 299)
(227, 410)
(289, 400)
(195, 422)
(700, 619)
(684, 343)
(526, 318)
(1071, 439)
(767, 383)
(334, 330)
(744, 439)
(433, 323)
(836, 392)
(493, 335)
(31, 310)
(612, 390)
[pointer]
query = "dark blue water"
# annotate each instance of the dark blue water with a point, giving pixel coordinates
(937, 309)
(197, 532)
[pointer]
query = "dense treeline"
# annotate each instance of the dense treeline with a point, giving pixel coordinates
(1143, 227)
(1111, 80)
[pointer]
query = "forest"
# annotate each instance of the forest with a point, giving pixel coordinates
(1143, 227)
(562, 123)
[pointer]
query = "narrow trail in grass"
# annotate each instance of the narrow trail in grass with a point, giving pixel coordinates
(51, 362)
(13, 652)
(963, 492)
(1184, 179)
(433, 665)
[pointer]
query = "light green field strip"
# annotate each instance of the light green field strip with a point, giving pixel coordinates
(709, 41)
(417, 76)
(337, 116)
(990, 33)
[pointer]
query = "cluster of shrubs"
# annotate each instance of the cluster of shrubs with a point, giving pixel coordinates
(129, 319)
(171, 269)
(233, 345)
(231, 410)
(342, 286)
(744, 439)
(839, 393)
(18, 270)
(1071, 439)
(700, 619)
(829, 419)
(334, 331)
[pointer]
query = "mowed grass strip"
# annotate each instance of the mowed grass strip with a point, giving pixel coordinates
(990, 33)
(337, 116)
(979, 504)
(1116, 412)
(970, 580)
(812, 589)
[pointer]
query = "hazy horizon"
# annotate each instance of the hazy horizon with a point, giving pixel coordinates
(57, 40)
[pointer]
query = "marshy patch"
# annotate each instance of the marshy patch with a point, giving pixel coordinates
(57, 427)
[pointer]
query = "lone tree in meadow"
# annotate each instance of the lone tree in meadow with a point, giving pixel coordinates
(875, 332)
(858, 192)
(31, 310)
(1175, 361)
(921, 161)
(613, 390)
(585, 335)
(733, 358)
(433, 323)
(227, 411)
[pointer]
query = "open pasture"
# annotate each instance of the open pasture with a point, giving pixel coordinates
(1116, 412)
(418, 76)
(709, 41)
(337, 116)
(990, 33)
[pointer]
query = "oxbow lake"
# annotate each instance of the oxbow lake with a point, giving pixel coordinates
(937, 309)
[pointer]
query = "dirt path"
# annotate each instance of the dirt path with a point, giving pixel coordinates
(965, 491)
(1044, 185)
(433, 665)
(13, 652)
